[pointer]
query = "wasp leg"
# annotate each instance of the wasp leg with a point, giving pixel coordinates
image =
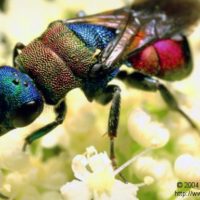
(60, 110)
(111, 93)
(18, 46)
(147, 83)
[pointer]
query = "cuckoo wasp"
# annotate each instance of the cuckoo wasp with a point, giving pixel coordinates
(87, 52)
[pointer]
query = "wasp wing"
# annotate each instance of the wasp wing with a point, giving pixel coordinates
(110, 19)
(178, 14)
(120, 19)
(158, 19)
(173, 15)
(164, 19)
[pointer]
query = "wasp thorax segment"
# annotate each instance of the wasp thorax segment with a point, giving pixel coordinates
(64, 42)
(168, 59)
(57, 61)
(48, 70)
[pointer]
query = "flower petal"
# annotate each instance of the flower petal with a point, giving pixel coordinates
(101, 181)
(145, 132)
(124, 191)
(91, 151)
(187, 168)
(79, 164)
(100, 161)
(75, 190)
(147, 166)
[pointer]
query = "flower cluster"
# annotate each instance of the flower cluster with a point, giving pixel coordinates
(53, 168)
(145, 131)
(96, 179)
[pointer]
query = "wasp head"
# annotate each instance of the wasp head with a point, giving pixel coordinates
(20, 101)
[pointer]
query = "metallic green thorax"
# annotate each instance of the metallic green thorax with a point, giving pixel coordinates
(58, 61)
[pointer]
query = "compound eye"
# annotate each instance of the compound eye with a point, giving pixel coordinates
(27, 113)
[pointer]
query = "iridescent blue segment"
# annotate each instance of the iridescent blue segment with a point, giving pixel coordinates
(16, 90)
(95, 36)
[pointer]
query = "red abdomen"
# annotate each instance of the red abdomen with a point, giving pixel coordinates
(168, 59)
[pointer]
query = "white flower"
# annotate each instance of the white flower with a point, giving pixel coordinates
(56, 137)
(161, 170)
(96, 179)
(145, 131)
(188, 143)
(11, 155)
(187, 168)
(166, 188)
(148, 166)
